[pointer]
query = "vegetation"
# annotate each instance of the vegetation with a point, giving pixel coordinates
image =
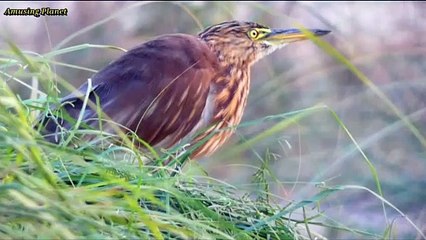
(105, 189)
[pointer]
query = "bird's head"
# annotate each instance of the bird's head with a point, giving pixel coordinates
(249, 41)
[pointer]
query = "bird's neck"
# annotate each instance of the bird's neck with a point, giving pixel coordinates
(229, 54)
(232, 83)
(228, 93)
(232, 89)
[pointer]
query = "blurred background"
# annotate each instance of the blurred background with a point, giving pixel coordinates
(385, 40)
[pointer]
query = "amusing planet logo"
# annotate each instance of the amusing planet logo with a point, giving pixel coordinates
(36, 12)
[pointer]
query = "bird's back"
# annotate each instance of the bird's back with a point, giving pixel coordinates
(158, 90)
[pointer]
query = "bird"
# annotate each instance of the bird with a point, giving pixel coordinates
(177, 87)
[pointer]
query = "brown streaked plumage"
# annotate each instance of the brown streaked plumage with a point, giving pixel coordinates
(167, 89)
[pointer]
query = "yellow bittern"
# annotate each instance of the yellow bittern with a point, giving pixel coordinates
(167, 89)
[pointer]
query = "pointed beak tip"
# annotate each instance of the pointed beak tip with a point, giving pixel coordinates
(292, 35)
(321, 32)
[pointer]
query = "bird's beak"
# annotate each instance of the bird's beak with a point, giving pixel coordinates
(292, 35)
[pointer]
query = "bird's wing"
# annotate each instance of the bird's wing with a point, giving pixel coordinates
(158, 90)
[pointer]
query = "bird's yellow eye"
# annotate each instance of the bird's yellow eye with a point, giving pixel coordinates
(253, 34)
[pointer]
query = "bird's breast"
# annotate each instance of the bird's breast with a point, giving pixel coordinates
(232, 92)
(224, 108)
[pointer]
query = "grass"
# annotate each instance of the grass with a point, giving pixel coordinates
(92, 191)
(51, 191)
(57, 191)
(62, 192)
